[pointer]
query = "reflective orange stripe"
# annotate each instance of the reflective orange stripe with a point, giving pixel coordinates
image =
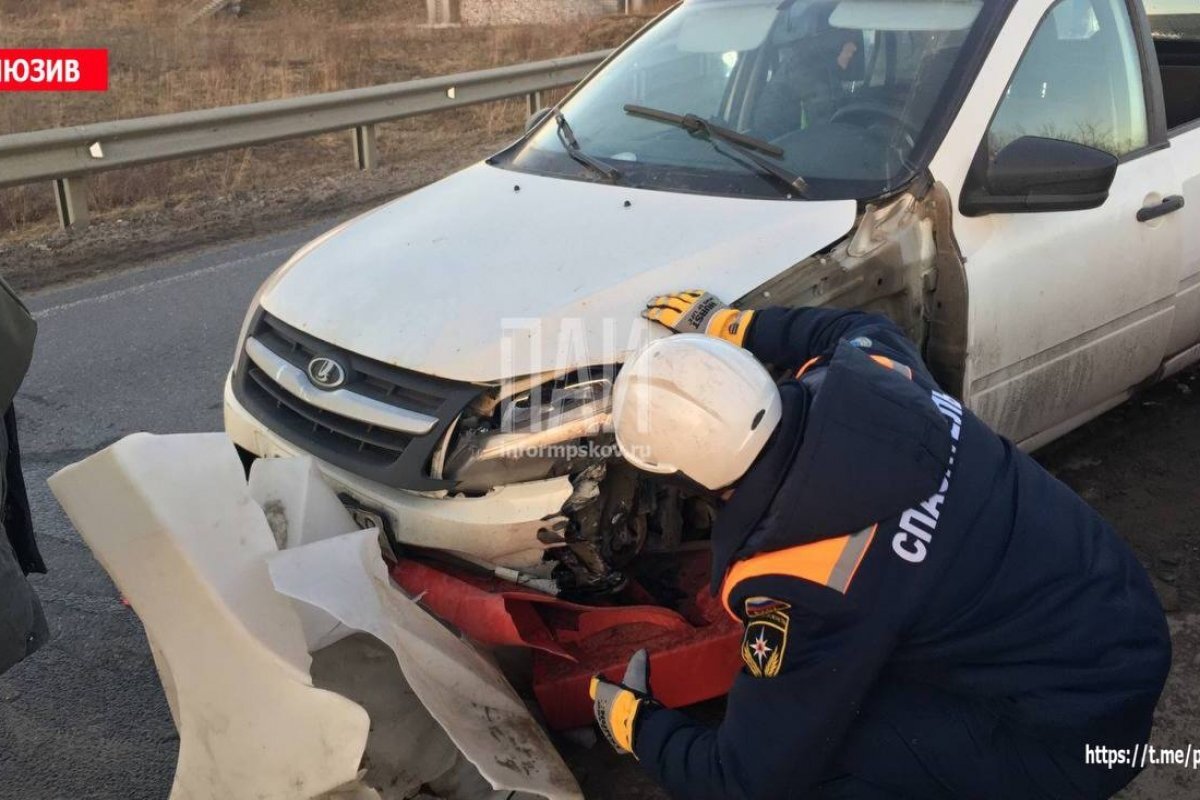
(892, 365)
(800, 372)
(881, 360)
(829, 562)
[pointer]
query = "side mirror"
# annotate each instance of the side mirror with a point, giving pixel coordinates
(1036, 174)
(536, 118)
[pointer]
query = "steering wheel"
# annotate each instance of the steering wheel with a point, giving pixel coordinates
(868, 114)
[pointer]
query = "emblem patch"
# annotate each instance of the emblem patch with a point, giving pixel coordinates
(765, 639)
(326, 373)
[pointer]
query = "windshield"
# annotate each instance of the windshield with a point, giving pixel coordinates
(846, 92)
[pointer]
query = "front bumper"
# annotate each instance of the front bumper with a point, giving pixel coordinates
(499, 528)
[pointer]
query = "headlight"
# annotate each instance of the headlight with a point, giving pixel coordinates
(533, 435)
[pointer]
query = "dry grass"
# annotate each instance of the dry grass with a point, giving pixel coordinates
(277, 48)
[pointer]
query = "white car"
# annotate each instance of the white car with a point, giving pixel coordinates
(1015, 182)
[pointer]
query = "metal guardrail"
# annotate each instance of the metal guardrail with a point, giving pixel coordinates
(447, 13)
(67, 156)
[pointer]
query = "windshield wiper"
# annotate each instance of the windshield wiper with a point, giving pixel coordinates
(744, 145)
(571, 144)
(696, 124)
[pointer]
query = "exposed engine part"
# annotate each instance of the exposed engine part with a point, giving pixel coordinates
(538, 578)
(583, 568)
(616, 514)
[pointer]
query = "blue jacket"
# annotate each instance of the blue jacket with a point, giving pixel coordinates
(886, 533)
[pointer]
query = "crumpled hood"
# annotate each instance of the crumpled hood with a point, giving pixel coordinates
(869, 444)
(474, 280)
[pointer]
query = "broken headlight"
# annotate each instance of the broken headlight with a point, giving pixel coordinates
(546, 431)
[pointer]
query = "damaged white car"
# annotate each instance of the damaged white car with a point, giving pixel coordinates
(1007, 179)
(1015, 182)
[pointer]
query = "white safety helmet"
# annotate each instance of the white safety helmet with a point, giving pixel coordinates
(694, 404)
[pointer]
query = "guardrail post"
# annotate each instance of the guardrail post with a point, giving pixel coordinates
(366, 154)
(444, 12)
(70, 195)
(533, 103)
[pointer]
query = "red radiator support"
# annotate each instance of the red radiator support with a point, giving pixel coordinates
(693, 654)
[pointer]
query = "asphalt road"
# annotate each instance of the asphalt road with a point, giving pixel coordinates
(148, 350)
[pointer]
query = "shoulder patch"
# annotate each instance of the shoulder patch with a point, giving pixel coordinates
(765, 638)
(861, 342)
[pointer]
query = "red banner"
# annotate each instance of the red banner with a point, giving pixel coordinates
(53, 70)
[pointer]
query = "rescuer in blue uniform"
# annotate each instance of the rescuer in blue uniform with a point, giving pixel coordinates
(927, 612)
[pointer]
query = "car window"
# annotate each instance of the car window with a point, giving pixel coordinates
(1080, 80)
(1175, 25)
(844, 92)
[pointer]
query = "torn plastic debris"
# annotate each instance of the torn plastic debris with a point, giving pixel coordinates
(462, 689)
(172, 521)
(407, 748)
(301, 508)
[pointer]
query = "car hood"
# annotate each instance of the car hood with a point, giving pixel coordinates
(492, 274)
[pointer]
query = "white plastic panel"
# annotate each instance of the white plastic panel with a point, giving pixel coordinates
(301, 508)
(171, 520)
(463, 690)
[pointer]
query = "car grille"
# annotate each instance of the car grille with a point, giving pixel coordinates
(390, 457)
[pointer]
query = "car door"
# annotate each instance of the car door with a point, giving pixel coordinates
(1176, 36)
(1068, 310)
